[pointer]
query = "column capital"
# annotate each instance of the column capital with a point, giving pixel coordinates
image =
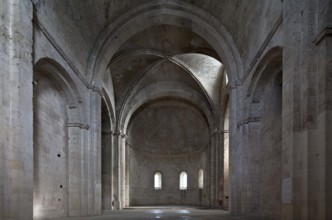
(120, 134)
(216, 131)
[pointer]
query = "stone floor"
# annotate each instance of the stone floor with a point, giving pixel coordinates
(166, 213)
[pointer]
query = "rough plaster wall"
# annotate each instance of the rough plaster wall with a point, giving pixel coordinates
(168, 138)
(50, 151)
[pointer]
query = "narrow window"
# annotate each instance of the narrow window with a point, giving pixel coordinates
(183, 181)
(200, 179)
(157, 181)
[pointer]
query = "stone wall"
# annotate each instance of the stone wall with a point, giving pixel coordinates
(16, 151)
(167, 137)
(141, 179)
(79, 41)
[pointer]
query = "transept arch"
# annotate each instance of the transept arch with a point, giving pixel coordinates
(165, 89)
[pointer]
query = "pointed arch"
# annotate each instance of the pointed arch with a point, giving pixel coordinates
(57, 111)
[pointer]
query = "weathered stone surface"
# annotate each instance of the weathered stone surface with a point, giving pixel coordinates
(123, 89)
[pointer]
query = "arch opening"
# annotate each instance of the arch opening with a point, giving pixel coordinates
(265, 121)
(148, 74)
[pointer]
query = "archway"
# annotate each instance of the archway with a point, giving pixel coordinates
(108, 50)
(56, 127)
(50, 149)
(264, 138)
(168, 136)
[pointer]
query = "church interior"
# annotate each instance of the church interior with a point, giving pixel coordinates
(148, 109)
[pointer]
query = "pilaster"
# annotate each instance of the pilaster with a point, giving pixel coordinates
(16, 138)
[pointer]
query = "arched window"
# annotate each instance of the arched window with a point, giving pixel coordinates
(200, 179)
(183, 180)
(157, 180)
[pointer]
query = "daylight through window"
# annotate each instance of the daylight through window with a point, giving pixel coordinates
(200, 179)
(157, 180)
(183, 181)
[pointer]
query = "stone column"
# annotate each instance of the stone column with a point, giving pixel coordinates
(92, 155)
(94, 168)
(120, 199)
(115, 171)
(216, 169)
(84, 170)
(212, 175)
(320, 188)
(107, 169)
(234, 152)
(16, 138)
(122, 170)
(75, 179)
(252, 161)
(306, 81)
(328, 122)
(226, 170)
(219, 168)
(293, 201)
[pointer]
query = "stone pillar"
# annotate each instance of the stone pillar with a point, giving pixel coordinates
(16, 138)
(115, 171)
(294, 200)
(74, 170)
(107, 169)
(320, 171)
(122, 170)
(212, 175)
(252, 161)
(94, 152)
(305, 119)
(234, 152)
(328, 122)
(226, 196)
(219, 170)
(84, 171)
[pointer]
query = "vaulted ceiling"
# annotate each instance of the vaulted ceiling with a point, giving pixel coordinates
(147, 51)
